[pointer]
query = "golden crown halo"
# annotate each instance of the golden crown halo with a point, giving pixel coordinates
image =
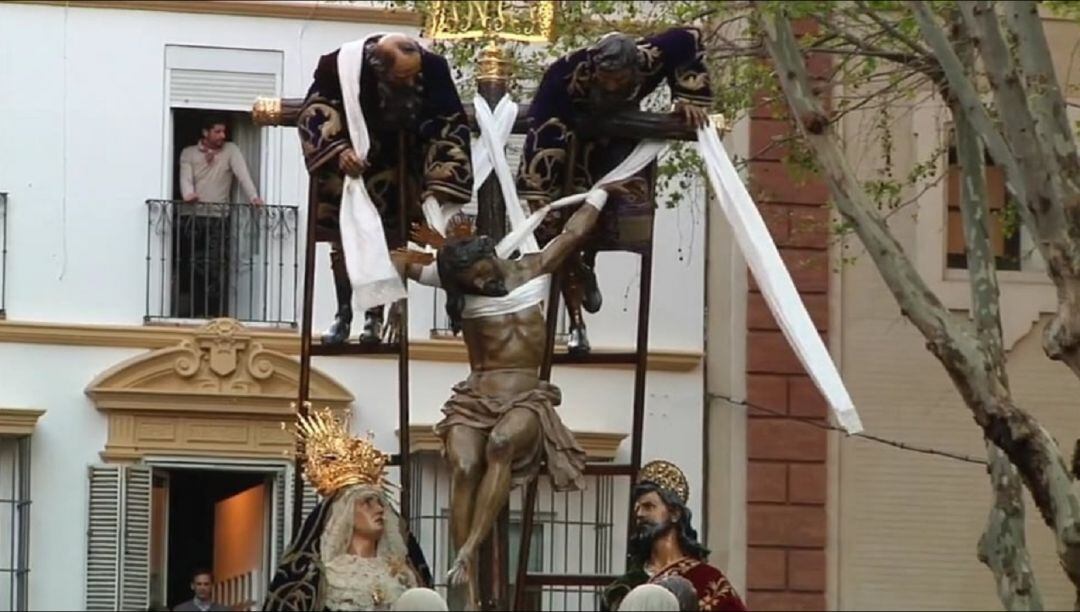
(333, 459)
(667, 476)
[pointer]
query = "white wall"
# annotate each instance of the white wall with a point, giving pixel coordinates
(82, 119)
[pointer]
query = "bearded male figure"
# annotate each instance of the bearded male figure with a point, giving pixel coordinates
(407, 98)
(500, 425)
(665, 544)
(560, 157)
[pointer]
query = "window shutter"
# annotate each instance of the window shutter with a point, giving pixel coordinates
(103, 538)
(311, 499)
(135, 550)
(218, 89)
(284, 484)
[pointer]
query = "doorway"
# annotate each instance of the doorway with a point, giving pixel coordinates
(215, 520)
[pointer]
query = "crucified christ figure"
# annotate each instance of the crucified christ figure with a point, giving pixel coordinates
(500, 424)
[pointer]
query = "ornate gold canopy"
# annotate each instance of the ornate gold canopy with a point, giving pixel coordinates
(517, 20)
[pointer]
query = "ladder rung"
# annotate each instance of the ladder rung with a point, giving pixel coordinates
(597, 358)
(609, 469)
(569, 579)
(355, 348)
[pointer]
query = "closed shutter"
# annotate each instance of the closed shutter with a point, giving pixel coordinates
(218, 89)
(311, 499)
(283, 504)
(135, 551)
(103, 538)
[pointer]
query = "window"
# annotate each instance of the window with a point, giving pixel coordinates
(220, 254)
(14, 523)
(1004, 227)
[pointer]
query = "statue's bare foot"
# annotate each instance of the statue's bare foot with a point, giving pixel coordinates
(461, 574)
(459, 571)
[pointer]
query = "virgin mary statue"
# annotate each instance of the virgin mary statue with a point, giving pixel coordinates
(353, 551)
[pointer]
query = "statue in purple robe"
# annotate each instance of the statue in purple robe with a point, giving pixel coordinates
(408, 99)
(560, 158)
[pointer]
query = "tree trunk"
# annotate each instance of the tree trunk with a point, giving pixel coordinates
(953, 341)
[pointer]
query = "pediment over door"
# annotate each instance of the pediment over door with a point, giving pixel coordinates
(216, 393)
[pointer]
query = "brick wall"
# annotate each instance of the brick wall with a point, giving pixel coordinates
(786, 479)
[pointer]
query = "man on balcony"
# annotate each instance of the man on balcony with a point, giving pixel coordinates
(208, 170)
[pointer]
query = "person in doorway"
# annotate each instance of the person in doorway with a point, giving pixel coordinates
(665, 544)
(209, 167)
(202, 585)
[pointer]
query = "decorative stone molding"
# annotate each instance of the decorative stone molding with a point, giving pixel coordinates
(219, 393)
(599, 446)
(260, 8)
(286, 342)
(18, 421)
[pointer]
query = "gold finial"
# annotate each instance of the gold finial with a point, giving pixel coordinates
(518, 20)
(333, 459)
(493, 64)
(266, 111)
(667, 476)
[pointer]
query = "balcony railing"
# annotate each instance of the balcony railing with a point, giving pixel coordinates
(205, 261)
(3, 250)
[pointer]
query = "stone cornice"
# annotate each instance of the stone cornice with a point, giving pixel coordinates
(18, 421)
(247, 8)
(282, 341)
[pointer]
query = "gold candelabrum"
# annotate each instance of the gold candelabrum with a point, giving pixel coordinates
(494, 21)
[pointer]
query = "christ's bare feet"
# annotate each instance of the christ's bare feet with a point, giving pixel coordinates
(461, 573)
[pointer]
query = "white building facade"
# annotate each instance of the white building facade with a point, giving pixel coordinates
(130, 422)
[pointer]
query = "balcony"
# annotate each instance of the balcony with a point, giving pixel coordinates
(209, 260)
(3, 250)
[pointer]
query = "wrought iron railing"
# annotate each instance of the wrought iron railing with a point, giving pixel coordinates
(3, 250)
(205, 261)
(579, 532)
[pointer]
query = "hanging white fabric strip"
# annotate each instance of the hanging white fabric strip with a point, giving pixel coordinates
(374, 280)
(641, 156)
(495, 129)
(773, 278)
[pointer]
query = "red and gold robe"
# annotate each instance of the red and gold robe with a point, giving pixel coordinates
(714, 591)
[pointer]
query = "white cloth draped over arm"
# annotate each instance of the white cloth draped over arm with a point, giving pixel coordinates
(374, 280)
(641, 156)
(773, 278)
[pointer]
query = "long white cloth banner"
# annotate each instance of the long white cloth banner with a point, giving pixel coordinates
(773, 278)
(374, 280)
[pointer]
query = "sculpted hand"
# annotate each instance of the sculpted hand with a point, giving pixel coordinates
(695, 115)
(391, 330)
(350, 163)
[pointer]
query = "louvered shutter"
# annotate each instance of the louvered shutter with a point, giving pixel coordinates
(135, 549)
(218, 89)
(103, 538)
(311, 499)
(283, 504)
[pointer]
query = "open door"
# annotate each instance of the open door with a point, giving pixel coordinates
(159, 537)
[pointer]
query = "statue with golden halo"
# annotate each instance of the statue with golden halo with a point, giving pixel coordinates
(354, 551)
(664, 545)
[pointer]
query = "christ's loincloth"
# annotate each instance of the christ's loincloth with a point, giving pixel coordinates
(557, 446)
